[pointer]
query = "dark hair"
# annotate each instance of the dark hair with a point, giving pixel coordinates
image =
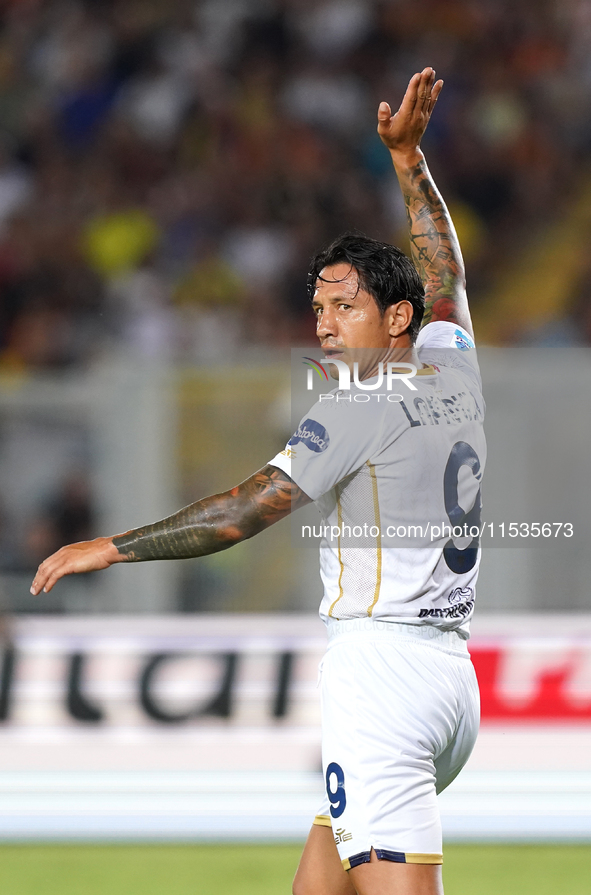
(383, 270)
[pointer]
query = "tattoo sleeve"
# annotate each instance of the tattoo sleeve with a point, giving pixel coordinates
(434, 246)
(216, 523)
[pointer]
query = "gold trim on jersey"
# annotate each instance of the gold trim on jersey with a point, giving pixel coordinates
(376, 508)
(340, 524)
(424, 371)
(322, 820)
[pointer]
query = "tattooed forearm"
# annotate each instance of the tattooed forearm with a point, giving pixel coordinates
(434, 246)
(216, 523)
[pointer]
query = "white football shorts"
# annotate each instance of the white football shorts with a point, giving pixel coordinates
(400, 715)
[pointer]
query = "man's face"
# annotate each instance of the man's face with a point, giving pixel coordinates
(349, 323)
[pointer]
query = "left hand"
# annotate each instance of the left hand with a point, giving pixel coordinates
(85, 556)
(403, 131)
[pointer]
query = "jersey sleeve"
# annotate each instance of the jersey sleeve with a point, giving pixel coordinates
(448, 345)
(332, 441)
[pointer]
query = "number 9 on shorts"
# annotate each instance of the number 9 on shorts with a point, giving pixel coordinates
(335, 789)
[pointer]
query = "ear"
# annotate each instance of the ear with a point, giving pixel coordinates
(400, 316)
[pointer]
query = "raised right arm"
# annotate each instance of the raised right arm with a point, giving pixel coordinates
(434, 244)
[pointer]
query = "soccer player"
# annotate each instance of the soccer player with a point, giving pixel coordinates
(399, 694)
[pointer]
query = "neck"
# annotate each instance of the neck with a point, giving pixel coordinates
(396, 353)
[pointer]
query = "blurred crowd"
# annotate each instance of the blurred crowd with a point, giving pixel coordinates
(168, 167)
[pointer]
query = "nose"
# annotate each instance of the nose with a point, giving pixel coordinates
(327, 323)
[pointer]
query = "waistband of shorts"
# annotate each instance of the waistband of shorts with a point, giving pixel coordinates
(372, 629)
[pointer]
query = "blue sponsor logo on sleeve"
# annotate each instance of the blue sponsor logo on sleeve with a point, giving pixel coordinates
(313, 435)
(462, 341)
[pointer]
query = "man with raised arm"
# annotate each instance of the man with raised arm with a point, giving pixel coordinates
(399, 694)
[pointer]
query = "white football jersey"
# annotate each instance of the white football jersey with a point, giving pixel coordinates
(397, 483)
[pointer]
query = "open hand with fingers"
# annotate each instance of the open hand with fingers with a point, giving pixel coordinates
(85, 556)
(403, 131)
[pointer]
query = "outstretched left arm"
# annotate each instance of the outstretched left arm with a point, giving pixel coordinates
(207, 526)
(217, 522)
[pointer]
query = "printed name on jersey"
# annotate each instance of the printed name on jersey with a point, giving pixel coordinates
(312, 435)
(432, 410)
(461, 340)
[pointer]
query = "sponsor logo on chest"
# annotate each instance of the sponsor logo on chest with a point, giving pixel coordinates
(312, 435)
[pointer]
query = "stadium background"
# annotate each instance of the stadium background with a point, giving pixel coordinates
(166, 171)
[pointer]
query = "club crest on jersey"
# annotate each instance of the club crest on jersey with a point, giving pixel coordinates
(460, 340)
(312, 434)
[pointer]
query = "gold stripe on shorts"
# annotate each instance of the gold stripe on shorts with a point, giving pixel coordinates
(398, 857)
(423, 859)
(322, 820)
